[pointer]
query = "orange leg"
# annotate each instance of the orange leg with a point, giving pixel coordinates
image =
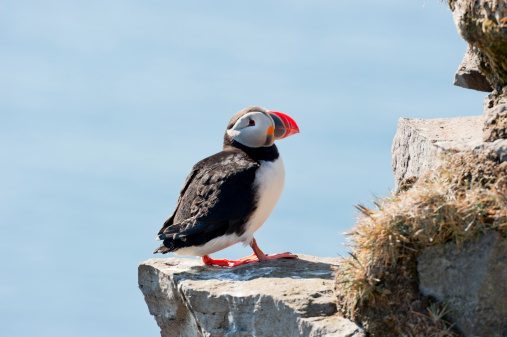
(263, 257)
(258, 255)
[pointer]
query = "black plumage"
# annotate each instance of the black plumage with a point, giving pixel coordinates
(217, 197)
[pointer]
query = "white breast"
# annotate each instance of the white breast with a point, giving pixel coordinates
(269, 181)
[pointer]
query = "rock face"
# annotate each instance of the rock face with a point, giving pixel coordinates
(275, 298)
(495, 118)
(468, 75)
(483, 25)
(418, 141)
(472, 280)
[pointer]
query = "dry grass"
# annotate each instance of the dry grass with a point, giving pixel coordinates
(377, 285)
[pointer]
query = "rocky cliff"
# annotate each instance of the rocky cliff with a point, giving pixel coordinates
(430, 259)
(483, 24)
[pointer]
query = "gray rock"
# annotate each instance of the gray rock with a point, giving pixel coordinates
(274, 298)
(495, 118)
(472, 280)
(468, 75)
(481, 24)
(418, 142)
(499, 146)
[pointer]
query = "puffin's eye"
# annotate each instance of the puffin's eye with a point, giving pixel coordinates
(251, 122)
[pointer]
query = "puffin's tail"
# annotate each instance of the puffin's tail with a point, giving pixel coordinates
(165, 247)
(175, 237)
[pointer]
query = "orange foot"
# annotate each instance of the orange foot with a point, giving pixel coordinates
(249, 259)
(258, 255)
(228, 263)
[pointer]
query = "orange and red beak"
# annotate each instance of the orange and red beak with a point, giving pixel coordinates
(285, 126)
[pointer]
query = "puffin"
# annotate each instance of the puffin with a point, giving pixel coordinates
(228, 196)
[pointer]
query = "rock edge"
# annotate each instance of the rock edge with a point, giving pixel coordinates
(275, 298)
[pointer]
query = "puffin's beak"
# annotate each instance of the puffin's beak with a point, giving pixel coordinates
(285, 126)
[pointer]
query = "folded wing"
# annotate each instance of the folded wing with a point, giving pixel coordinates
(216, 199)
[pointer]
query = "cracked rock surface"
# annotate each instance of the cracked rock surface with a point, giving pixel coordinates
(275, 298)
(471, 280)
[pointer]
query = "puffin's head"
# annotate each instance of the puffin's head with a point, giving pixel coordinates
(258, 127)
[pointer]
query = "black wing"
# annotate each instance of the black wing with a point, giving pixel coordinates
(216, 199)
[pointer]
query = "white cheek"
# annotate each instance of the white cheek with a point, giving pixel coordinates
(251, 136)
(233, 133)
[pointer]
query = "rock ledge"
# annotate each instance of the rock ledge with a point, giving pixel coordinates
(274, 298)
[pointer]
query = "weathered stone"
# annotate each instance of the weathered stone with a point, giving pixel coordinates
(275, 298)
(468, 74)
(495, 118)
(483, 25)
(499, 146)
(471, 279)
(418, 142)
